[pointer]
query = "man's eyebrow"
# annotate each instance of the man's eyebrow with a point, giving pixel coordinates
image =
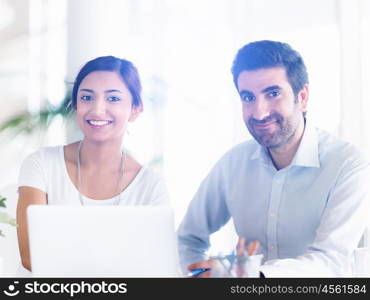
(245, 92)
(271, 88)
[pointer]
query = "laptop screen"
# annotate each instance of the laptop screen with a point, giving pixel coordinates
(108, 241)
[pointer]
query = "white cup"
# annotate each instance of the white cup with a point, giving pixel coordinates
(252, 266)
(246, 267)
(249, 267)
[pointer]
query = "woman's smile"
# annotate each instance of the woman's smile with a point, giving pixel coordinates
(98, 123)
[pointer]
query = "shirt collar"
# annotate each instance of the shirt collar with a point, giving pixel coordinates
(262, 154)
(307, 154)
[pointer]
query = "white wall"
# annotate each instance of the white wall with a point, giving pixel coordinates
(183, 50)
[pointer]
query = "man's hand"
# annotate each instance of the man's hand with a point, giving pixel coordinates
(204, 264)
(242, 254)
(251, 249)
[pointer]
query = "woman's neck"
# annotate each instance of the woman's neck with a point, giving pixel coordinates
(97, 155)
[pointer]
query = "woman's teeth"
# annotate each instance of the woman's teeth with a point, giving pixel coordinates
(98, 123)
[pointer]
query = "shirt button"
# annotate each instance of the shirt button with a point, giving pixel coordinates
(271, 247)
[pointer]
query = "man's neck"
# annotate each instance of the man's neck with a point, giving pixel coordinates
(283, 156)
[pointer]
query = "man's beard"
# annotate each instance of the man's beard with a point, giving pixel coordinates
(273, 139)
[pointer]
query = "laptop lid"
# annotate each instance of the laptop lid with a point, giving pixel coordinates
(108, 241)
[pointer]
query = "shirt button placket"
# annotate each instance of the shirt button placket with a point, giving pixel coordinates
(276, 193)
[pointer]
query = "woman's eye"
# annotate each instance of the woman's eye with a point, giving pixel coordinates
(113, 99)
(86, 98)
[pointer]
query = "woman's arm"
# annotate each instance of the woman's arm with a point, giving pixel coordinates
(27, 196)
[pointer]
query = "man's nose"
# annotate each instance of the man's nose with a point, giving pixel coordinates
(261, 109)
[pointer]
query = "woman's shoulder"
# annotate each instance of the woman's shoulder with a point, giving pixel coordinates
(45, 153)
(38, 166)
(150, 181)
(148, 187)
(148, 173)
(143, 174)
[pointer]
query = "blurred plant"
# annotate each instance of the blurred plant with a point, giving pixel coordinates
(27, 123)
(4, 217)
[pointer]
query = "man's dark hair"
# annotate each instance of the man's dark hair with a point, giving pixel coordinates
(270, 54)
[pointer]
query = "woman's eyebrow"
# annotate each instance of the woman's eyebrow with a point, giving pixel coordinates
(107, 91)
(112, 91)
(86, 90)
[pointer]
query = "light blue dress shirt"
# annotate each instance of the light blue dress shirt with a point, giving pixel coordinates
(308, 217)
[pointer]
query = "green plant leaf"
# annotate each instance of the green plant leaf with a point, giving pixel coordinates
(27, 123)
(2, 201)
(7, 219)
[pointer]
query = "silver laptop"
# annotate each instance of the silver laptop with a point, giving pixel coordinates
(108, 241)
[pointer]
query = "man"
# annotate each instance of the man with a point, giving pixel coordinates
(297, 190)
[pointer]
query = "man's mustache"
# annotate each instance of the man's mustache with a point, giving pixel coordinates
(274, 117)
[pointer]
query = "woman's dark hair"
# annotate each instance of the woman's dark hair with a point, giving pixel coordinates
(124, 68)
(269, 54)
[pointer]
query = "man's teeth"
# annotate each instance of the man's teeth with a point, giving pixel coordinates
(98, 123)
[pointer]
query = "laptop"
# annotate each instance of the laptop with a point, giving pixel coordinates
(108, 241)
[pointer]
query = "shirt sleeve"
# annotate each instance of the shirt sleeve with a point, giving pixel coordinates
(206, 214)
(32, 172)
(342, 224)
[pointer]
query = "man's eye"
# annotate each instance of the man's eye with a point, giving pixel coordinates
(274, 94)
(113, 99)
(248, 98)
(86, 98)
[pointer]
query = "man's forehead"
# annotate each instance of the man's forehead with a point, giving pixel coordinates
(260, 79)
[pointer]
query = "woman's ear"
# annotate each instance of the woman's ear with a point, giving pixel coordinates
(135, 112)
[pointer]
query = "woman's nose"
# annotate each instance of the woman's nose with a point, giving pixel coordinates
(99, 106)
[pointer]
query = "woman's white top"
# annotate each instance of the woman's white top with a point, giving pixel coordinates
(46, 170)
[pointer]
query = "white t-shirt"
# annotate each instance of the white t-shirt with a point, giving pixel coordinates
(46, 170)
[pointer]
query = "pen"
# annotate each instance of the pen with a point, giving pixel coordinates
(196, 272)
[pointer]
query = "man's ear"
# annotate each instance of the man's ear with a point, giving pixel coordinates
(303, 97)
(135, 112)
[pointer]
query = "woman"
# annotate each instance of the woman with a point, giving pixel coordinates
(95, 170)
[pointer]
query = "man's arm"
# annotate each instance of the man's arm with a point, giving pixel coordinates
(206, 213)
